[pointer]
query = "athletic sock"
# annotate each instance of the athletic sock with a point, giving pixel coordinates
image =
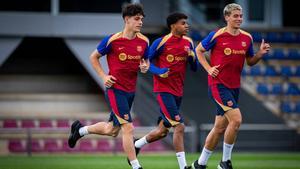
(181, 159)
(204, 156)
(227, 149)
(135, 164)
(141, 142)
(83, 131)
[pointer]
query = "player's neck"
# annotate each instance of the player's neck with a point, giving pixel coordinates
(176, 34)
(128, 34)
(233, 31)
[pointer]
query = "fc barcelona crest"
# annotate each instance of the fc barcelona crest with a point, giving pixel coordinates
(139, 48)
(244, 44)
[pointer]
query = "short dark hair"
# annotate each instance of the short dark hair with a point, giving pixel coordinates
(174, 17)
(132, 10)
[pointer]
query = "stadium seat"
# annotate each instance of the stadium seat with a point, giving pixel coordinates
(289, 37)
(277, 89)
(297, 109)
(278, 54)
(255, 71)
(104, 146)
(28, 124)
(262, 89)
(62, 123)
(270, 71)
(273, 37)
(292, 89)
(118, 145)
(66, 148)
(16, 146)
(46, 124)
(244, 72)
(36, 146)
(297, 73)
(10, 123)
(286, 71)
(293, 54)
(257, 36)
(86, 145)
(286, 107)
(51, 146)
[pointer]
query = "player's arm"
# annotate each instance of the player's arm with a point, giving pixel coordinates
(192, 59)
(101, 50)
(153, 53)
(263, 49)
(204, 46)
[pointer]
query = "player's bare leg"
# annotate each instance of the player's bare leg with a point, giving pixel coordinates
(104, 128)
(158, 133)
(216, 132)
(179, 145)
(101, 128)
(178, 137)
(211, 141)
(127, 137)
(234, 118)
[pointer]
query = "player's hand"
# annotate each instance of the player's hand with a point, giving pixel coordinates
(109, 80)
(213, 71)
(144, 65)
(166, 74)
(264, 47)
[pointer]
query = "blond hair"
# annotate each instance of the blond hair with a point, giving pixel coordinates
(231, 7)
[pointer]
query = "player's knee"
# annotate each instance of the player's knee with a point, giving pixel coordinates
(179, 128)
(127, 128)
(163, 132)
(236, 122)
(219, 130)
(114, 133)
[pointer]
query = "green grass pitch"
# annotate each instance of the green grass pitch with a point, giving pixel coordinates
(257, 160)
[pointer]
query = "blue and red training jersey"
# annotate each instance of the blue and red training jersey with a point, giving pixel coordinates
(173, 53)
(229, 51)
(123, 58)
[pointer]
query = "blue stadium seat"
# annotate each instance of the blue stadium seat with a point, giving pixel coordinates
(257, 36)
(289, 37)
(267, 56)
(297, 71)
(297, 109)
(278, 54)
(277, 89)
(244, 72)
(292, 89)
(270, 71)
(293, 54)
(286, 107)
(255, 71)
(273, 37)
(286, 71)
(262, 89)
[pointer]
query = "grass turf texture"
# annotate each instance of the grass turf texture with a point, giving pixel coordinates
(154, 161)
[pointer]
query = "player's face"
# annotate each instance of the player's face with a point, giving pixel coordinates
(181, 27)
(235, 19)
(134, 23)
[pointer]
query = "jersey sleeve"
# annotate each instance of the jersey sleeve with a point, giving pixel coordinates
(208, 42)
(192, 59)
(153, 53)
(250, 51)
(103, 48)
(146, 53)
